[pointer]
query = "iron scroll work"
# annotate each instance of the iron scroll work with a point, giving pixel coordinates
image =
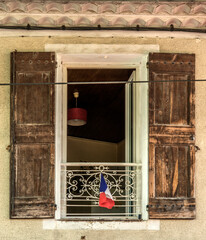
(81, 194)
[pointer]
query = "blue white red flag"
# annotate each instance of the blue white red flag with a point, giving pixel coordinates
(105, 198)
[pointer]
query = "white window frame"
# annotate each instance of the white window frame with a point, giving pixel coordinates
(104, 60)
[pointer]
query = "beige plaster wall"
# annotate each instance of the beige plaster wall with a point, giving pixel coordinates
(170, 230)
(121, 151)
(87, 150)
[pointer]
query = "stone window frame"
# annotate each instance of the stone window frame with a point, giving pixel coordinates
(123, 56)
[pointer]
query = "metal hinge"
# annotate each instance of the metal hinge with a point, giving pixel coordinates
(147, 64)
(8, 148)
(196, 148)
(55, 63)
(192, 137)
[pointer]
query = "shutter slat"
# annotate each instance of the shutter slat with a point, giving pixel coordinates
(32, 135)
(172, 208)
(172, 132)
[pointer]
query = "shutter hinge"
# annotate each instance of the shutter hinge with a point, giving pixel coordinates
(8, 148)
(192, 137)
(55, 63)
(147, 207)
(147, 64)
(55, 206)
(196, 148)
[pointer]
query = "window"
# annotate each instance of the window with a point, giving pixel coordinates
(129, 205)
(171, 135)
(103, 145)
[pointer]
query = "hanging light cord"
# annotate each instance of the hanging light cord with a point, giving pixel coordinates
(76, 95)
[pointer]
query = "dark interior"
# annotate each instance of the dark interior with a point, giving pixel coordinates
(105, 103)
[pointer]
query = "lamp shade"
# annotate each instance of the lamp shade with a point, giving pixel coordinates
(77, 116)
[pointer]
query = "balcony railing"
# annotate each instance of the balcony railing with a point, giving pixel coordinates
(80, 191)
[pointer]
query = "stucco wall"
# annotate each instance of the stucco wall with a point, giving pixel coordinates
(87, 150)
(171, 230)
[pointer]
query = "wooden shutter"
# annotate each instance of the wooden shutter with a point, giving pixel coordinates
(32, 135)
(172, 136)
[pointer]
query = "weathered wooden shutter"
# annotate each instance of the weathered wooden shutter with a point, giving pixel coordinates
(172, 136)
(32, 135)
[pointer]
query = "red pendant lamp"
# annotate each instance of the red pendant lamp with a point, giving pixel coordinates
(76, 116)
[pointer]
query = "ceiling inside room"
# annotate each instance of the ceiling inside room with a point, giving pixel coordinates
(105, 103)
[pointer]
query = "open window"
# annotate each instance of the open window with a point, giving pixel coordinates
(104, 145)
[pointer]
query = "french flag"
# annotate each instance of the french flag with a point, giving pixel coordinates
(105, 198)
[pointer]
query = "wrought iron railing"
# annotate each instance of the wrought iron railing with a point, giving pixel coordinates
(80, 192)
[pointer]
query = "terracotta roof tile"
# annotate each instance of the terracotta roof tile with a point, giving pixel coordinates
(72, 8)
(155, 22)
(163, 8)
(114, 13)
(16, 6)
(127, 8)
(54, 7)
(108, 8)
(173, 21)
(120, 22)
(28, 20)
(101, 21)
(64, 21)
(90, 7)
(182, 9)
(35, 8)
(145, 8)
